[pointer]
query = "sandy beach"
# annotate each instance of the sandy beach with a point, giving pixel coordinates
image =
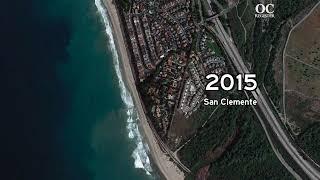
(168, 169)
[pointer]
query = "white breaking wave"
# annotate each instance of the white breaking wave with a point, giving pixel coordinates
(140, 153)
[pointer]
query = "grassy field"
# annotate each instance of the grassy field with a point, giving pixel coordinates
(303, 57)
(302, 110)
(212, 44)
(302, 78)
(302, 64)
(302, 61)
(304, 43)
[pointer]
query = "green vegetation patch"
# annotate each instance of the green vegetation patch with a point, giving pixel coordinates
(212, 135)
(239, 35)
(309, 141)
(234, 146)
(213, 45)
(124, 5)
(303, 78)
(251, 157)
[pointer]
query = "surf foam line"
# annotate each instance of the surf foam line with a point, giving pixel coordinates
(141, 159)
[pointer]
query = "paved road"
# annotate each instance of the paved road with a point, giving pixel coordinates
(308, 167)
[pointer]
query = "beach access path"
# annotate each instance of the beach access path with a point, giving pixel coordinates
(167, 168)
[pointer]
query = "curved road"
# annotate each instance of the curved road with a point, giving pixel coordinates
(308, 167)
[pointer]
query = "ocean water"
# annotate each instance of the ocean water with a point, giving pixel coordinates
(66, 114)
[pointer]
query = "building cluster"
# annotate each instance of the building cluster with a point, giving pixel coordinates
(212, 62)
(204, 62)
(155, 32)
(142, 60)
(204, 49)
(164, 89)
(194, 89)
(179, 22)
(170, 73)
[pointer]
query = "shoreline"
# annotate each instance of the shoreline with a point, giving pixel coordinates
(167, 168)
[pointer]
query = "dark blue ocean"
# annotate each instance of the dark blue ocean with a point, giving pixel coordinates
(64, 113)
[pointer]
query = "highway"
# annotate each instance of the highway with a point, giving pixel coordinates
(309, 168)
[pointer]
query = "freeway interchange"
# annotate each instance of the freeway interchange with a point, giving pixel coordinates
(310, 168)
